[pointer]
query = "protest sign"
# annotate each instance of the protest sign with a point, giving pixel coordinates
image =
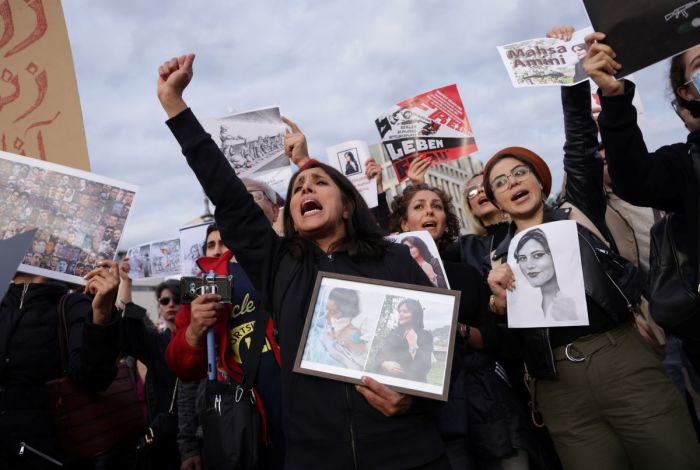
(350, 158)
(155, 259)
(546, 61)
(549, 289)
(425, 253)
(432, 124)
(253, 143)
(79, 215)
(40, 113)
(643, 32)
(191, 248)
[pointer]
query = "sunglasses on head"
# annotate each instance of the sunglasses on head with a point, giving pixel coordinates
(166, 300)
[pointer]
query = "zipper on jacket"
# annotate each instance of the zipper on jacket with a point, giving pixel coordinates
(24, 291)
(550, 352)
(630, 307)
(352, 431)
(330, 257)
(23, 446)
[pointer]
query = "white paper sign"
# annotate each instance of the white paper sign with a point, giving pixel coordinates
(155, 259)
(549, 289)
(191, 244)
(546, 61)
(350, 158)
(253, 143)
(425, 253)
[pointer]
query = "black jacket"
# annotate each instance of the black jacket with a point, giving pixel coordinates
(663, 179)
(31, 357)
(475, 250)
(327, 423)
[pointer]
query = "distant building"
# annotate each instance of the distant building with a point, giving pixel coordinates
(449, 176)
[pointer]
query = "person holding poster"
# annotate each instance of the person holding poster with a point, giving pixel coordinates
(29, 343)
(474, 365)
(327, 227)
(596, 420)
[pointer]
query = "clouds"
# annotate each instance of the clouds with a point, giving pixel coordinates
(331, 66)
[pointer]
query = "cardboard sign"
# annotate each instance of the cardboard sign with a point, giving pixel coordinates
(40, 113)
(350, 159)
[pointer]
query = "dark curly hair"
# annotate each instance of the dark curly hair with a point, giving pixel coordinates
(399, 212)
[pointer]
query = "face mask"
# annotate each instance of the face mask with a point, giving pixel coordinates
(695, 80)
(338, 324)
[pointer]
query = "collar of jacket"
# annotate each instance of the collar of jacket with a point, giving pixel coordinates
(551, 214)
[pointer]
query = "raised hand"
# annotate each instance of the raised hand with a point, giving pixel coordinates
(373, 170)
(295, 144)
(561, 32)
(173, 77)
(601, 66)
(103, 282)
(417, 169)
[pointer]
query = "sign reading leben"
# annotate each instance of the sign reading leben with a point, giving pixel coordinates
(40, 113)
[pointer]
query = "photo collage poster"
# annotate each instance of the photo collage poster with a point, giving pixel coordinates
(253, 143)
(549, 289)
(154, 259)
(432, 125)
(400, 336)
(350, 158)
(425, 253)
(79, 216)
(546, 61)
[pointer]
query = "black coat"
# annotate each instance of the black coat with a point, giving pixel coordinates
(30, 357)
(327, 423)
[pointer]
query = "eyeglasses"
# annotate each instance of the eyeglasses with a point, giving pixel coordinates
(695, 80)
(473, 191)
(166, 301)
(519, 173)
(258, 195)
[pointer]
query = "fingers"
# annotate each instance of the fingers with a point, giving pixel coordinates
(382, 398)
(206, 299)
(292, 125)
(561, 32)
(594, 38)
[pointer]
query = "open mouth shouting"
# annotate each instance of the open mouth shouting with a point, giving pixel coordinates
(483, 200)
(520, 196)
(310, 207)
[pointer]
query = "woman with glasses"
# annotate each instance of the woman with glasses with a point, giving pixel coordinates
(140, 339)
(602, 393)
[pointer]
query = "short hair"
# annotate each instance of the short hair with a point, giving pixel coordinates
(416, 310)
(172, 286)
(347, 301)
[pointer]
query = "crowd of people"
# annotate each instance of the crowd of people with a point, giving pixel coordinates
(614, 394)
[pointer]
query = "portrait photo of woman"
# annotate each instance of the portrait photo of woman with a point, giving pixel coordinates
(407, 350)
(429, 264)
(549, 291)
(351, 166)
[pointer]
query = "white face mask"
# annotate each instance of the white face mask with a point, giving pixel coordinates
(338, 324)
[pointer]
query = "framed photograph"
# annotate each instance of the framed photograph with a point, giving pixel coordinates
(79, 216)
(401, 335)
(549, 289)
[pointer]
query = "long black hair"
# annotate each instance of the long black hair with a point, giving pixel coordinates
(416, 310)
(676, 78)
(363, 236)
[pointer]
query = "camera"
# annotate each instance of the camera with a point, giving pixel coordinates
(192, 287)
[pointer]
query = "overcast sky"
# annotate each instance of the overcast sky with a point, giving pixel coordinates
(332, 66)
